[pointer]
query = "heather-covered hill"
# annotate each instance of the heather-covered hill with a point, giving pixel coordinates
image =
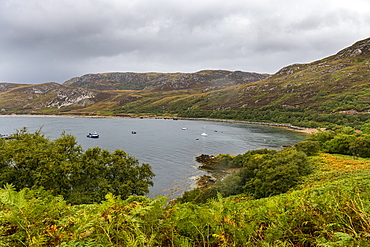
(33, 98)
(333, 90)
(337, 83)
(163, 81)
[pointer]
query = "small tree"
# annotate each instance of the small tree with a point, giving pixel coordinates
(361, 146)
(277, 174)
(340, 144)
(310, 148)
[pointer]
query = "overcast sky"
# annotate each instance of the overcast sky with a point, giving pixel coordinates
(55, 40)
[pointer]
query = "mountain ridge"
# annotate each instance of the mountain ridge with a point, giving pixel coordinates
(298, 93)
(163, 81)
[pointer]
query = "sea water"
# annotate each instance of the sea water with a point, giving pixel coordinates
(169, 146)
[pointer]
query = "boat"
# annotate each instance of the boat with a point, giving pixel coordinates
(5, 136)
(204, 133)
(95, 135)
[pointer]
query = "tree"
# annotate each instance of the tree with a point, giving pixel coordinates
(264, 173)
(310, 148)
(31, 160)
(340, 144)
(361, 146)
(365, 128)
(276, 174)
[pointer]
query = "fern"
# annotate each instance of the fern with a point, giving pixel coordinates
(11, 198)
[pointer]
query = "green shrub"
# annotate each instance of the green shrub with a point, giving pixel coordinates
(310, 148)
(361, 146)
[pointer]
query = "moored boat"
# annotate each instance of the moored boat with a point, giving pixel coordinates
(5, 136)
(94, 135)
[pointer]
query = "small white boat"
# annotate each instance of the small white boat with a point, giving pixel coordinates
(205, 132)
(184, 128)
(95, 135)
(4, 136)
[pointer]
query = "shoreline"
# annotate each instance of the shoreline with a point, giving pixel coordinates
(286, 126)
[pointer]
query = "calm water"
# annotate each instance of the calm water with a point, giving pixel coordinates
(169, 149)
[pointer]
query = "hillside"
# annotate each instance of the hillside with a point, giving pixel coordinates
(333, 90)
(336, 83)
(163, 81)
(33, 98)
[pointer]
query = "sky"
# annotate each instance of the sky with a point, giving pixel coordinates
(53, 41)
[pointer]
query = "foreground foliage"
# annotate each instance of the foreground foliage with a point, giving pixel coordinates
(309, 199)
(30, 160)
(325, 212)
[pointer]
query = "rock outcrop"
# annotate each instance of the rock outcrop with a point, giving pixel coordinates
(47, 95)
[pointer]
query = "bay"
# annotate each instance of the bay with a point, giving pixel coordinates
(169, 146)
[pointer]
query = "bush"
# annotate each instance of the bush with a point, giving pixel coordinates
(361, 146)
(340, 144)
(264, 173)
(277, 174)
(310, 148)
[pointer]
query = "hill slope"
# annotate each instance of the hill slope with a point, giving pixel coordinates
(163, 81)
(29, 98)
(336, 83)
(302, 94)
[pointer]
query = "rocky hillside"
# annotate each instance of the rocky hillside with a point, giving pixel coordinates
(163, 81)
(337, 83)
(300, 93)
(18, 97)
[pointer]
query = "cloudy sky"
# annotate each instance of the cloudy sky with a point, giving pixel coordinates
(48, 40)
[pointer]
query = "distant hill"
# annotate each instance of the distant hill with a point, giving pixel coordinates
(333, 90)
(163, 81)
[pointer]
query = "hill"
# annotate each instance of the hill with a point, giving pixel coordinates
(163, 81)
(34, 98)
(337, 83)
(333, 90)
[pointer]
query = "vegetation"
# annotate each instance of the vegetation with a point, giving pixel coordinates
(325, 212)
(344, 140)
(262, 173)
(30, 160)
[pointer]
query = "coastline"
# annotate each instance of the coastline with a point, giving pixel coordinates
(286, 126)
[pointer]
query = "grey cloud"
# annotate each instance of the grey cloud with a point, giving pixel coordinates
(57, 40)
